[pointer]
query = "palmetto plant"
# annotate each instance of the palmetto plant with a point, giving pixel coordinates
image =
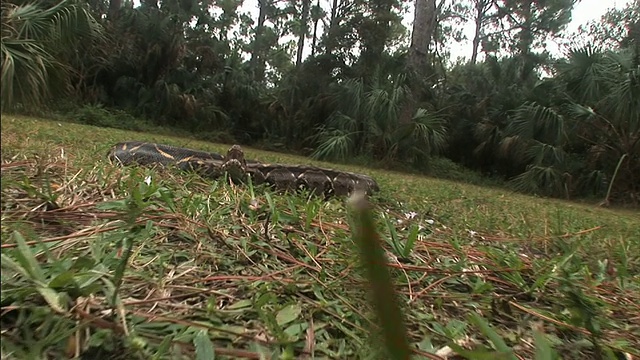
(37, 40)
(366, 123)
(587, 126)
(479, 99)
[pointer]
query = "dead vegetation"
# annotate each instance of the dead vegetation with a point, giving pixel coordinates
(100, 261)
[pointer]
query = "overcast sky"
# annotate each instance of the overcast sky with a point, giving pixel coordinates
(583, 12)
(586, 11)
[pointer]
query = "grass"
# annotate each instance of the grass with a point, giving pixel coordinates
(100, 261)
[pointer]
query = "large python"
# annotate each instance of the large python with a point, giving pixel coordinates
(324, 182)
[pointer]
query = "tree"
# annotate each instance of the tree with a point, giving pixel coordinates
(38, 41)
(316, 15)
(114, 8)
(375, 27)
(364, 123)
(480, 18)
(259, 44)
(530, 23)
(359, 32)
(334, 24)
(302, 31)
(424, 25)
(586, 135)
(618, 28)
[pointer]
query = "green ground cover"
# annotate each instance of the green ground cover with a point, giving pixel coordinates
(96, 261)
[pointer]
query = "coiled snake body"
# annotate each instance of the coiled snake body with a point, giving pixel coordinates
(318, 180)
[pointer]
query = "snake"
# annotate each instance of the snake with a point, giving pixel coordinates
(287, 177)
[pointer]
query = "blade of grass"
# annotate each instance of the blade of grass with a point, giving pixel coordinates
(385, 299)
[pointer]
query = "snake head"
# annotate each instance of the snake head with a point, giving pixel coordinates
(235, 152)
(235, 164)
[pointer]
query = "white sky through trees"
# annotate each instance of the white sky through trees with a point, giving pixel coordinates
(583, 12)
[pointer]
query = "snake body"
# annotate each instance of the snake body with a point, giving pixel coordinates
(321, 181)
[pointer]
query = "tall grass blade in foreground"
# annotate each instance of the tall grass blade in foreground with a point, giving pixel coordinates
(385, 299)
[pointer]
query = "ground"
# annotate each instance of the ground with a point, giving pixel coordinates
(99, 261)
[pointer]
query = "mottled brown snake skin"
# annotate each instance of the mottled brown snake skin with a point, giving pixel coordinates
(324, 182)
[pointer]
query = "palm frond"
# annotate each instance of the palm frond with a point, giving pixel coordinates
(514, 147)
(542, 154)
(579, 111)
(429, 131)
(349, 97)
(583, 73)
(335, 144)
(343, 122)
(34, 37)
(542, 180)
(623, 101)
(25, 72)
(535, 121)
(382, 107)
(594, 182)
(487, 130)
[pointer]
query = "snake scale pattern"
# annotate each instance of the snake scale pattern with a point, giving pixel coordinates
(323, 182)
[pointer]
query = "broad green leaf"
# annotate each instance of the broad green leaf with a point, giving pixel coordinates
(478, 353)
(87, 279)
(240, 305)
(204, 346)
(27, 259)
(288, 314)
(83, 262)
(295, 330)
(411, 240)
(163, 348)
(543, 347)
(90, 289)
(62, 280)
(495, 338)
(265, 299)
(120, 205)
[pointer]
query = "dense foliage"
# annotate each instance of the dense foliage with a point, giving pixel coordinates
(343, 79)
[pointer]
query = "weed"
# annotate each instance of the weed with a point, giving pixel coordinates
(136, 263)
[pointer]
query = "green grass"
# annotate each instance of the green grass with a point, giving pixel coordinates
(98, 263)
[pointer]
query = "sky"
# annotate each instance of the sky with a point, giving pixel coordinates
(588, 10)
(583, 12)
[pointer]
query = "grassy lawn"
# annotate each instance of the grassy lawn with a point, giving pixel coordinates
(96, 262)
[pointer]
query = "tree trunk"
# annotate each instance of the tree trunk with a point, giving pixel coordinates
(114, 8)
(424, 25)
(333, 24)
(257, 57)
(526, 40)
(150, 3)
(481, 10)
(314, 41)
(303, 31)
(377, 28)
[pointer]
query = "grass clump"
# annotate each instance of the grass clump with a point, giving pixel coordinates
(100, 261)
